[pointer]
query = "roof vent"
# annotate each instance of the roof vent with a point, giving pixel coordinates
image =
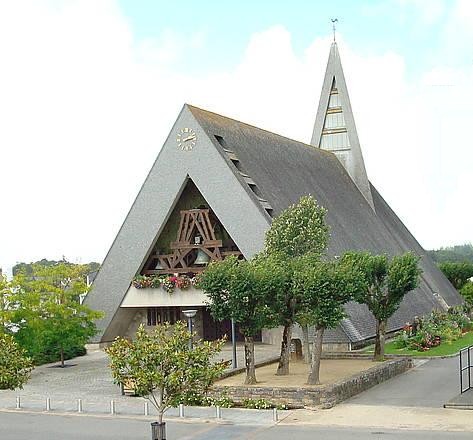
(248, 180)
(229, 153)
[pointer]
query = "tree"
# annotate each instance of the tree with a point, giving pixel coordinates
(467, 293)
(15, 366)
(6, 305)
(237, 289)
(49, 315)
(326, 287)
(457, 253)
(162, 367)
(458, 273)
(299, 230)
(29, 268)
(387, 282)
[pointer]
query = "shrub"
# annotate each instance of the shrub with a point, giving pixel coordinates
(257, 404)
(436, 328)
(261, 404)
(223, 401)
(15, 366)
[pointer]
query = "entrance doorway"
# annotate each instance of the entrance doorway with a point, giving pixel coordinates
(218, 329)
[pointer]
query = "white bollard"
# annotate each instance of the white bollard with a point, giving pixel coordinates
(218, 412)
(18, 402)
(146, 409)
(112, 407)
(181, 410)
(275, 414)
(48, 404)
(79, 405)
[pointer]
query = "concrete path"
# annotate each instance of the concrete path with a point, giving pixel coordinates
(413, 400)
(461, 401)
(429, 385)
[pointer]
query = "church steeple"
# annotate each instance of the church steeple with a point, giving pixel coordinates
(334, 128)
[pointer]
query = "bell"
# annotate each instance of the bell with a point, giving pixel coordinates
(159, 266)
(202, 258)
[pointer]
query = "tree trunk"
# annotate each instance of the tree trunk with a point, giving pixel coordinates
(314, 376)
(305, 341)
(283, 367)
(250, 360)
(158, 429)
(380, 338)
(62, 357)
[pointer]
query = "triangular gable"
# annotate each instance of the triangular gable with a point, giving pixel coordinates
(230, 198)
(334, 128)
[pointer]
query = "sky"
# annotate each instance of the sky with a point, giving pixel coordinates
(89, 91)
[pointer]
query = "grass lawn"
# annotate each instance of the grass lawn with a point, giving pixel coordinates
(443, 349)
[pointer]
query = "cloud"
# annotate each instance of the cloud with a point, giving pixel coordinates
(85, 109)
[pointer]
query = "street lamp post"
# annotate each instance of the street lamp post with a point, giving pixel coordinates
(234, 348)
(189, 314)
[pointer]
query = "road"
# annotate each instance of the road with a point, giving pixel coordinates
(21, 426)
(429, 385)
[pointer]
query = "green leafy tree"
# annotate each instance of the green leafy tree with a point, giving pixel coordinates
(387, 282)
(28, 268)
(458, 273)
(299, 230)
(7, 307)
(162, 368)
(326, 287)
(457, 253)
(15, 366)
(238, 289)
(467, 293)
(51, 320)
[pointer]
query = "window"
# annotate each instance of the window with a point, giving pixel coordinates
(334, 120)
(334, 101)
(335, 141)
(160, 315)
(221, 140)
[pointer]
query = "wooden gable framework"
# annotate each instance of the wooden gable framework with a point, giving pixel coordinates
(196, 234)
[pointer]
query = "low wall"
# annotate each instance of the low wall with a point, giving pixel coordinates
(326, 396)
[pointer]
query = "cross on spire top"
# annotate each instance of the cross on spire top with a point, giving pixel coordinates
(334, 20)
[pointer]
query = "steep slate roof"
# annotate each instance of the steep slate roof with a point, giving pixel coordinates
(284, 170)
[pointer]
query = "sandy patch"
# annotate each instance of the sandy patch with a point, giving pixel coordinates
(331, 371)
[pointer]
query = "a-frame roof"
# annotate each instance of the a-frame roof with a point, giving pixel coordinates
(334, 127)
(246, 174)
(222, 186)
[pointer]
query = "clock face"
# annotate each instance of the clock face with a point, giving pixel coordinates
(186, 139)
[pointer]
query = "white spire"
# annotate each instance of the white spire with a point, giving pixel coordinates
(334, 128)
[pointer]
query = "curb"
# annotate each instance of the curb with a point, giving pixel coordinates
(117, 416)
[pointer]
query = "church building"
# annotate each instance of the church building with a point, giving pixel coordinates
(213, 191)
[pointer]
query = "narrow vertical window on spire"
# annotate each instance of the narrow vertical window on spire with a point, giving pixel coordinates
(334, 132)
(334, 101)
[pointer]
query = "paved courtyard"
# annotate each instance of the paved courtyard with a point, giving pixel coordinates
(88, 378)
